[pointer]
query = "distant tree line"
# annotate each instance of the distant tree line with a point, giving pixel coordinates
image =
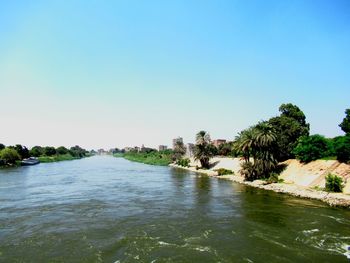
(10, 155)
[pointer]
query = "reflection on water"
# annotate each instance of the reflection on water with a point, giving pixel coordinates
(105, 209)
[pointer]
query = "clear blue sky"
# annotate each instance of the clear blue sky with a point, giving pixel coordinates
(118, 73)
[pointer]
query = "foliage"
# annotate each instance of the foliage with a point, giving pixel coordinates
(203, 150)
(77, 151)
(118, 154)
(22, 151)
(223, 171)
(226, 149)
(257, 145)
(184, 162)
(9, 155)
(289, 127)
(49, 151)
(341, 147)
(36, 151)
(56, 158)
(310, 148)
(334, 183)
(62, 150)
(154, 158)
(273, 178)
(345, 124)
(178, 151)
(2, 146)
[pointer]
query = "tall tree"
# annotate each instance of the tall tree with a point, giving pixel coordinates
(203, 150)
(9, 155)
(178, 151)
(258, 148)
(36, 151)
(345, 124)
(289, 127)
(310, 148)
(22, 151)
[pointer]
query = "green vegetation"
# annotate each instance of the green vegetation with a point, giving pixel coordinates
(118, 154)
(274, 179)
(50, 154)
(257, 145)
(152, 157)
(341, 147)
(345, 124)
(12, 155)
(178, 151)
(9, 156)
(203, 150)
(225, 149)
(183, 162)
(223, 171)
(334, 183)
(288, 128)
(311, 148)
(56, 158)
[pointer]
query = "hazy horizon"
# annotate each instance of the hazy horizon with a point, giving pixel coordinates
(126, 73)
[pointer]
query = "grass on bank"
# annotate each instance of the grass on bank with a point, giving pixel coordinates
(57, 158)
(154, 158)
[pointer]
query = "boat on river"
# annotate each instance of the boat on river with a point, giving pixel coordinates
(30, 161)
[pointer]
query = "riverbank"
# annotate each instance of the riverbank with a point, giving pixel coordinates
(57, 158)
(153, 158)
(300, 180)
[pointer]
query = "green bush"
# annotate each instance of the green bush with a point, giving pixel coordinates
(9, 156)
(274, 178)
(334, 183)
(223, 171)
(341, 146)
(184, 162)
(310, 148)
(36, 151)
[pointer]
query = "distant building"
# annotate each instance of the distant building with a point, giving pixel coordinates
(218, 142)
(162, 147)
(190, 150)
(178, 139)
(128, 149)
(137, 149)
(102, 152)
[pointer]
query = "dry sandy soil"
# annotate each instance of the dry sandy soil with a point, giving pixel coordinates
(299, 179)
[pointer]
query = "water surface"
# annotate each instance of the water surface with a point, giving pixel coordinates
(105, 209)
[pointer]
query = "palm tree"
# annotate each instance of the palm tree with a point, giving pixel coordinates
(265, 136)
(258, 142)
(203, 149)
(245, 143)
(179, 150)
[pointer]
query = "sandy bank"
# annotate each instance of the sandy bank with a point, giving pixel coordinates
(299, 179)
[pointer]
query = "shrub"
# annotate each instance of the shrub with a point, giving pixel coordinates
(62, 150)
(342, 148)
(310, 148)
(49, 151)
(274, 178)
(36, 151)
(223, 171)
(9, 156)
(184, 162)
(249, 171)
(334, 183)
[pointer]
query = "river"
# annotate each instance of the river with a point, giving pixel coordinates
(106, 209)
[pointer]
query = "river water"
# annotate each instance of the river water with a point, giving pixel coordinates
(106, 209)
